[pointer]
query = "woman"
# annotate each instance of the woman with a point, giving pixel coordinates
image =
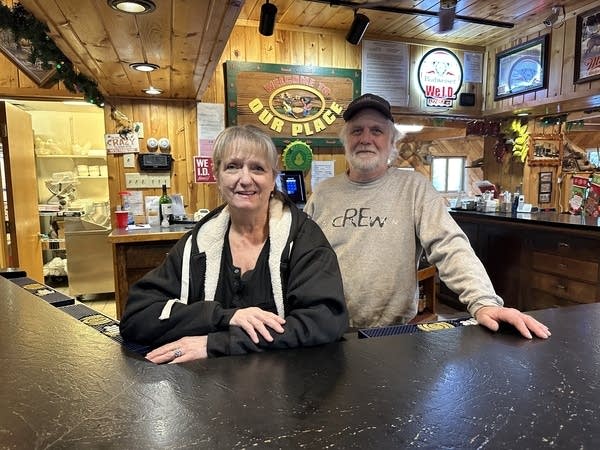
(254, 274)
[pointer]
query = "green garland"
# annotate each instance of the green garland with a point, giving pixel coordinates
(24, 25)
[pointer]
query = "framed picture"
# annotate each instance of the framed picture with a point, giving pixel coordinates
(18, 53)
(545, 150)
(522, 69)
(544, 198)
(545, 188)
(587, 46)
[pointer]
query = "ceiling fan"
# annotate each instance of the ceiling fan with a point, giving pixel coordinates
(446, 13)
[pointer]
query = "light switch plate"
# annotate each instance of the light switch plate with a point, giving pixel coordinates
(133, 181)
(129, 160)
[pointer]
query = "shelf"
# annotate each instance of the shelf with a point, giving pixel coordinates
(71, 156)
(61, 213)
(100, 177)
(53, 244)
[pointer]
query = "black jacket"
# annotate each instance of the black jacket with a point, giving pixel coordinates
(305, 276)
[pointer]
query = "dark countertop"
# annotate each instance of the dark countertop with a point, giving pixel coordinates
(556, 219)
(65, 385)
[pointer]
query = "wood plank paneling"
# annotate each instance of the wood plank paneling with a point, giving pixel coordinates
(294, 42)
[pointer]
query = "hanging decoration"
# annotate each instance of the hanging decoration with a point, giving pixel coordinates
(518, 136)
(297, 155)
(24, 26)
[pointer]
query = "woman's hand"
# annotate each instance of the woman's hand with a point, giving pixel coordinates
(253, 320)
(186, 349)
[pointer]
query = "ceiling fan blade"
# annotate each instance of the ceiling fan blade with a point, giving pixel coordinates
(446, 15)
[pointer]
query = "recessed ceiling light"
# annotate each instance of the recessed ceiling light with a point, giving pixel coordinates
(152, 91)
(523, 114)
(133, 6)
(144, 67)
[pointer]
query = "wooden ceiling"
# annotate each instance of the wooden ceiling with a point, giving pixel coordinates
(186, 37)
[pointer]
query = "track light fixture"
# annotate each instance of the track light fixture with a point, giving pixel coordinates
(268, 11)
(357, 29)
(132, 6)
(446, 15)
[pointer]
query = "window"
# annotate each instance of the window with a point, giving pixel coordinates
(593, 156)
(448, 173)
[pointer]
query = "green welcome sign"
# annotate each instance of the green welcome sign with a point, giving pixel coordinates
(291, 103)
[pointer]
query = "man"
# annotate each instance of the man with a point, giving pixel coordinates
(379, 220)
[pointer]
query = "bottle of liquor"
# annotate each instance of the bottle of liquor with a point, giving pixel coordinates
(165, 205)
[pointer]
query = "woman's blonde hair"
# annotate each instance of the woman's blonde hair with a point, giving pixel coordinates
(247, 140)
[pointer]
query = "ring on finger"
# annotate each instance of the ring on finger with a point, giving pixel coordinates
(177, 353)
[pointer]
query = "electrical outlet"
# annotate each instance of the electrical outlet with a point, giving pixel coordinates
(129, 160)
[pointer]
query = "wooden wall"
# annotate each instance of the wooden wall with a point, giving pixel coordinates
(330, 49)
(173, 119)
(561, 88)
(324, 49)
(512, 175)
(177, 119)
(327, 48)
(507, 174)
(14, 83)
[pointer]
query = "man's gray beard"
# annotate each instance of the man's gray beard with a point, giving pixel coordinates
(364, 165)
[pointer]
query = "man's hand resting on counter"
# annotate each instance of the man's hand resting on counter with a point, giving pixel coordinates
(491, 316)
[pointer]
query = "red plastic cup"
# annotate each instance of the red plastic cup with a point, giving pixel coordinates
(122, 218)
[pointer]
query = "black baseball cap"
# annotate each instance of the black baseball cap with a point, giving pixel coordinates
(368, 101)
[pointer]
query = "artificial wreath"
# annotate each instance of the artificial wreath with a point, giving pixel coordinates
(24, 25)
(297, 155)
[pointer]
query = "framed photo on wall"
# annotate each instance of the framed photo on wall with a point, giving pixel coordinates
(545, 150)
(18, 53)
(587, 46)
(545, 187)
(522, 69)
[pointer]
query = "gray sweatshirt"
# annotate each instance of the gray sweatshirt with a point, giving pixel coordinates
(379, 230)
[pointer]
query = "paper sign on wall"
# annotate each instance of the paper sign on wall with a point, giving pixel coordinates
(203, 169)
(122, 143)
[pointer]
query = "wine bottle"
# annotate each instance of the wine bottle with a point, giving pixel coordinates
(165, 205)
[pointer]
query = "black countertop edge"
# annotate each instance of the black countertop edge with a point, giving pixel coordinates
(554, 219)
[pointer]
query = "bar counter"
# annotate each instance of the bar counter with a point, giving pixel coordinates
(546, 218)
(535, 260)
(65, 385)
(136, 252)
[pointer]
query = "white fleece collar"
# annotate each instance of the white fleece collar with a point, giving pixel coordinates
(210, 240)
